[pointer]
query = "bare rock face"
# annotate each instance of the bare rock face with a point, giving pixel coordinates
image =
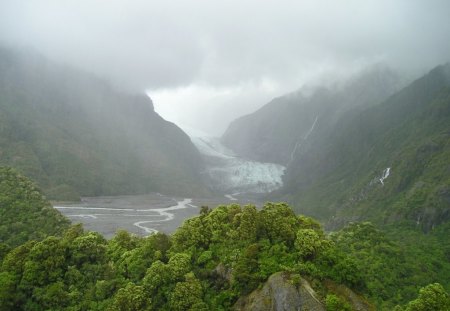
(279, 294)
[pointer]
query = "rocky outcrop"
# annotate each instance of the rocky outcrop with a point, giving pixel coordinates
(280, 294)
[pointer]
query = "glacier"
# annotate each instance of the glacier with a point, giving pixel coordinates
(229, 173)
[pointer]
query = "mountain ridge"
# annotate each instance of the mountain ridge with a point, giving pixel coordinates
(343, 163)
(404, 132)
(272, 133)
(77, 135)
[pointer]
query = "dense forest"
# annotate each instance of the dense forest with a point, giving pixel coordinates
(25, 214)
(225, 258)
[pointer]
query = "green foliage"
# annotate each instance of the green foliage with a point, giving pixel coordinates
(279, 222)
(206, 266)
(7, 291)
(308, 243)
(208, 263)
(131, 298)
(334, 303)
(187, 295)
(393, 263)
(431, 298)
(24, 213)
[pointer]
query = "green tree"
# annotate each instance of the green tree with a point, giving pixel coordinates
(431, 298)
(248, 224)
(186, 294)
(88, 248)
(334, 303)
(245, 270)
(308, 243)
(131, 298)
(7, 291)
(46, 263)
(279, 223)
(50, 297)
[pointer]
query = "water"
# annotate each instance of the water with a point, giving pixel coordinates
(140, 214)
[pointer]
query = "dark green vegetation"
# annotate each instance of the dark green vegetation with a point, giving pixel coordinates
(409, 133)
(432, 297)
(24, 213)
(396, 261)
(210, 262)
(74, 134)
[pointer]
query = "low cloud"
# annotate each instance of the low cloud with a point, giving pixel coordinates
(161, 46)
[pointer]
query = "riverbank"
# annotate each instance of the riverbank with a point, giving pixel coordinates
(138, 214)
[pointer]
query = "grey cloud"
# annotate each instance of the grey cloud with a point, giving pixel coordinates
(155, 45)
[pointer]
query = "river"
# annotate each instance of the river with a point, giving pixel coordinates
(139, 214)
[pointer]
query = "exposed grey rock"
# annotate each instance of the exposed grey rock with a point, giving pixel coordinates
(280, 294)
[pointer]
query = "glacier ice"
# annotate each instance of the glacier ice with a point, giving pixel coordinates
(230, 173)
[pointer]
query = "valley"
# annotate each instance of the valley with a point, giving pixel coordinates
(334, 196)
(140, 214)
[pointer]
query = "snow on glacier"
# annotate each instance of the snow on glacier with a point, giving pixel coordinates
(229, 173)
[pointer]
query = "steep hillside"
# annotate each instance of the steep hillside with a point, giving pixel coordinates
(24, 212)
(387, 163)
(76, 135)
(284, 128)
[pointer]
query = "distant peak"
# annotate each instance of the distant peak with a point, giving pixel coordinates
(143, 100)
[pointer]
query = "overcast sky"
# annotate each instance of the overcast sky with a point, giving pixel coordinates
(205, 62)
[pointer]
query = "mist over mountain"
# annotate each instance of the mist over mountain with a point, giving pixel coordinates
(280, 131)
(196, 155)
(388, 163)
(77, 135)
(369, 150)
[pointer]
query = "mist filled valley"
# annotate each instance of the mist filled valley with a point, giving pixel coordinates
(288, 160)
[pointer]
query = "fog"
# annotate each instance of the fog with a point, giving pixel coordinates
(207, 62)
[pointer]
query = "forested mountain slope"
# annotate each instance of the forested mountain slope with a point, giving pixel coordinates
(76, 135)
(24, 213)
(351, 158)
(228, 258)
(388, 163)
(283, 129)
